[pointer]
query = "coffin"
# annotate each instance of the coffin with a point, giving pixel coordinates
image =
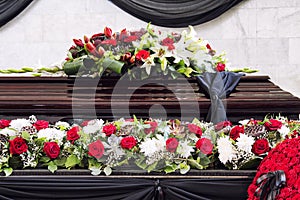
(67, 98)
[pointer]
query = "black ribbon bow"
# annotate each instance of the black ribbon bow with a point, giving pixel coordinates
(218, 86)
(270, 185)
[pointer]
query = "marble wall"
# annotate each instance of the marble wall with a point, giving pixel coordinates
(259, 34)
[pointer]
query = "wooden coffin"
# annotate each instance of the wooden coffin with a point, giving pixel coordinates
(65, 98)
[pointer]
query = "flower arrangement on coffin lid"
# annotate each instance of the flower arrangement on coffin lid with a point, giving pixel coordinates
(143, 53)
(151, 145)
(244, 146)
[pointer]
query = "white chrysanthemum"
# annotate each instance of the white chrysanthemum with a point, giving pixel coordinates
(185, 149)
(8, 132)
(18, 124)
(93, 126)
(284, 131)
(245, 142)
(160, 143)
(244, 122)
(148, 147)
(59, 124)
(226, 150)
(51, 134)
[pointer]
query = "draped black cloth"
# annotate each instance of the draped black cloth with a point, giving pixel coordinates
(176, 13)
(11, 8)
(95, 188)
(218, 86)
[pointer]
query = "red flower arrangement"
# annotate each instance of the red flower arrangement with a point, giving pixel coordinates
(286, 157)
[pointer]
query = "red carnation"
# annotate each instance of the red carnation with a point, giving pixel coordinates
(171, 144)
(205, 146)
(41, 124)
(195, 129)
(142, 55)
(236, 131)
(4, 123)
(72, 134)
(109, 129)
(96, 149)
(17, 146)
(128, 142)
(51, 149)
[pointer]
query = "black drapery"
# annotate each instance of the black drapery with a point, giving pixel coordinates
(176, 13)
(218, 86)
(11, 8)
(95, 188)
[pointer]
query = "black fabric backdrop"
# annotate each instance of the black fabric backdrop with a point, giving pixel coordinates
(11, 8)
(109, 188)
(176, 13)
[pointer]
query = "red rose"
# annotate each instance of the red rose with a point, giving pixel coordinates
(142, 55)
(17, 146)
(41, 124)
(109, 129)
(171, 144)
(221, 125)
(220, 67)
(195, 129)
(96, 149)
(78, 42)
(169, 43)
(235, 132)
(205, 146)
(260, 146)
(51, 149)
(273, 124)
(72, 134)
(107, 32)
(4, 123)
(153, 126)
(128, 142)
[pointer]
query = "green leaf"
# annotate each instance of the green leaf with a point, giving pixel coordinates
(8, 171)
(60, 162)
(72, 160)
(107, 170)
(195, 164)
(184, 168)
(52, 167)
(72, 67)
(36, 75)
(44, 159)
(170, 168)
(27, 69)
(25, 135)
(152, 167)
(113, 65)
(205, 161)
(188, 71)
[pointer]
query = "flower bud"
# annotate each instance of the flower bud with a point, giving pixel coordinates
(107, 32)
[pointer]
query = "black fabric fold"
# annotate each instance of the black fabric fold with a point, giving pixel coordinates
(175, 13)
(11, 8)
(95, 188)
(218, 86)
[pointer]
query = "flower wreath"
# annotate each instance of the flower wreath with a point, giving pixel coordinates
(284, 159)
